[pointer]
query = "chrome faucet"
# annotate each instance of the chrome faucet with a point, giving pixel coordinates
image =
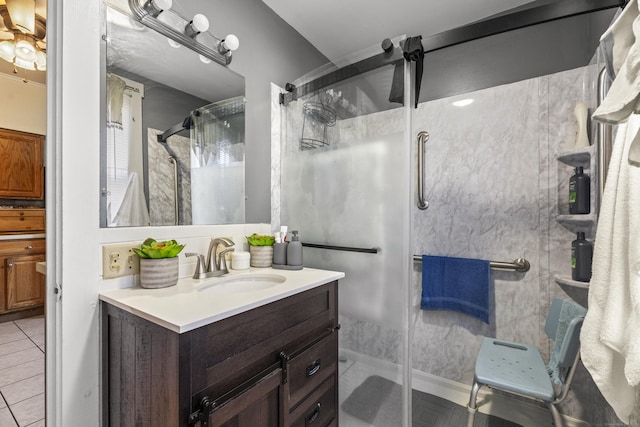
(218, 263)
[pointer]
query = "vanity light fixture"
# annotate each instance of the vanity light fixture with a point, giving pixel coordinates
(192, 33)
(26, 48)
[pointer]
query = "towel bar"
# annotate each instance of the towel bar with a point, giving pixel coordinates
(520, 264)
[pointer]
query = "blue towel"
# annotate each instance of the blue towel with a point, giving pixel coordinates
(457, 284)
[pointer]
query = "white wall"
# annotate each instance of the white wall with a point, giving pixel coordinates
(23, 106)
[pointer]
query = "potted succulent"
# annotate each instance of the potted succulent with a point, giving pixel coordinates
(261, 249)
(158, 263)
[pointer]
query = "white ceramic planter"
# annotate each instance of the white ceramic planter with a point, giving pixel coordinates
(158, 273)
(261, 256)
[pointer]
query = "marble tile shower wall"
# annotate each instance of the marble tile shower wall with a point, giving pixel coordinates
(494, 187)
(161, 194)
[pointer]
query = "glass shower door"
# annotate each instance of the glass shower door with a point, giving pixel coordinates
(345, 185)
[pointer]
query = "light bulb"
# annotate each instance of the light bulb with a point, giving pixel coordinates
(231, 42)
(41, 60)
(198, 24)
(204, 59)
(28, 65)
(173, 44)
(25, 51)
(7, 50)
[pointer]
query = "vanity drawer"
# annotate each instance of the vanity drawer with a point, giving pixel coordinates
(12, 220)
(319, 409)
(22, 247)
(309, 369)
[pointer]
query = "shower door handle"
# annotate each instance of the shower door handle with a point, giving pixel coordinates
(423, 137)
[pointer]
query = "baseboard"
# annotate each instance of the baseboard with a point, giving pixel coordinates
(502, 406)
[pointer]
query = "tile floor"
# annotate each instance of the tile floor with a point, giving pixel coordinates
(22, 373)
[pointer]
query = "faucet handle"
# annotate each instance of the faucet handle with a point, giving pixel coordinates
(223, 259)
(200, 266)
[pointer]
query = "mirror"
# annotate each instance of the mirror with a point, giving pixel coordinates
(173, 141)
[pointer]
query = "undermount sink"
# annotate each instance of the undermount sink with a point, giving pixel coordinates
(243, 283)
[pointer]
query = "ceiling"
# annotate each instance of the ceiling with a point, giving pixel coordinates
(338, 27)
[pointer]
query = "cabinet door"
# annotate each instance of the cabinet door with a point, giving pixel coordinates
(25, 286)
(21, 165)
(256, 406)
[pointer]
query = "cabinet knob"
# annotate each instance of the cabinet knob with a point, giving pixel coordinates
(29, 247)
(9, 263)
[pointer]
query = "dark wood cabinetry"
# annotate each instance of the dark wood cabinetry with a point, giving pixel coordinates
(275, 365)
(21, 165)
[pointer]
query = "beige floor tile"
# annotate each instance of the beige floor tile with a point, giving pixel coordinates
(13, 346)
(15, 335)
(29, 411)
(6, 419)
(37, 424)
(3, 404)
(20, 357)
(22, 390)
(8, 327)
(37, 339)
(21, 372)
(31, 326)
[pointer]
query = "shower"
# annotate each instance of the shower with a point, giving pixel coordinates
(493, 187)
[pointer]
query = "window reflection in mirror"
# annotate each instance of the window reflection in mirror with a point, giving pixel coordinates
(173, 148)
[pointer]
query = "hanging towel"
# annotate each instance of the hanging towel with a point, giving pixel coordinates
(457, 284)
(115, 95)
(610, 342)
(621, 44)
(568, 311)
(133, 209)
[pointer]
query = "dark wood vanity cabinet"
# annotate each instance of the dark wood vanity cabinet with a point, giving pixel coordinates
(275, 365)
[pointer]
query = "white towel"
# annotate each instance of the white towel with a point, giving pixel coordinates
(623, 97)
(610, 341)
(133, 210)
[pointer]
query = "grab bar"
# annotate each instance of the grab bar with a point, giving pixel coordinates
(174, 162)
(520, 264)
(605, 135)
(423, 137)
(341, 248)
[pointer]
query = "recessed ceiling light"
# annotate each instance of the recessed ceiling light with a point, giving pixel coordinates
(463, 102)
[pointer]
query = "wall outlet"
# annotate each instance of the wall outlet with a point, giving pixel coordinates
(119, 260)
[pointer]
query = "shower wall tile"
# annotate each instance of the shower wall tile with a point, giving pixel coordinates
(161, 194)
(276, 137)
(482, 163)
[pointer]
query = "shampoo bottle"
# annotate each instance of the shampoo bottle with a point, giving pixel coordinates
(294, 251)
(579, 193)
(581, 257)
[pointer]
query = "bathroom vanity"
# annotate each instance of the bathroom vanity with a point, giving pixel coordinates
(248, 349)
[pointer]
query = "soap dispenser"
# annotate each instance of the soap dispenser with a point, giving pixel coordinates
(294, 251)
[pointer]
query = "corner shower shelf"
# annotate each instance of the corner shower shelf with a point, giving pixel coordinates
(575, 223)
(578, 157)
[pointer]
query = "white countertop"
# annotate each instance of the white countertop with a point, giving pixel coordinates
(22, 236)
(194, 303)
